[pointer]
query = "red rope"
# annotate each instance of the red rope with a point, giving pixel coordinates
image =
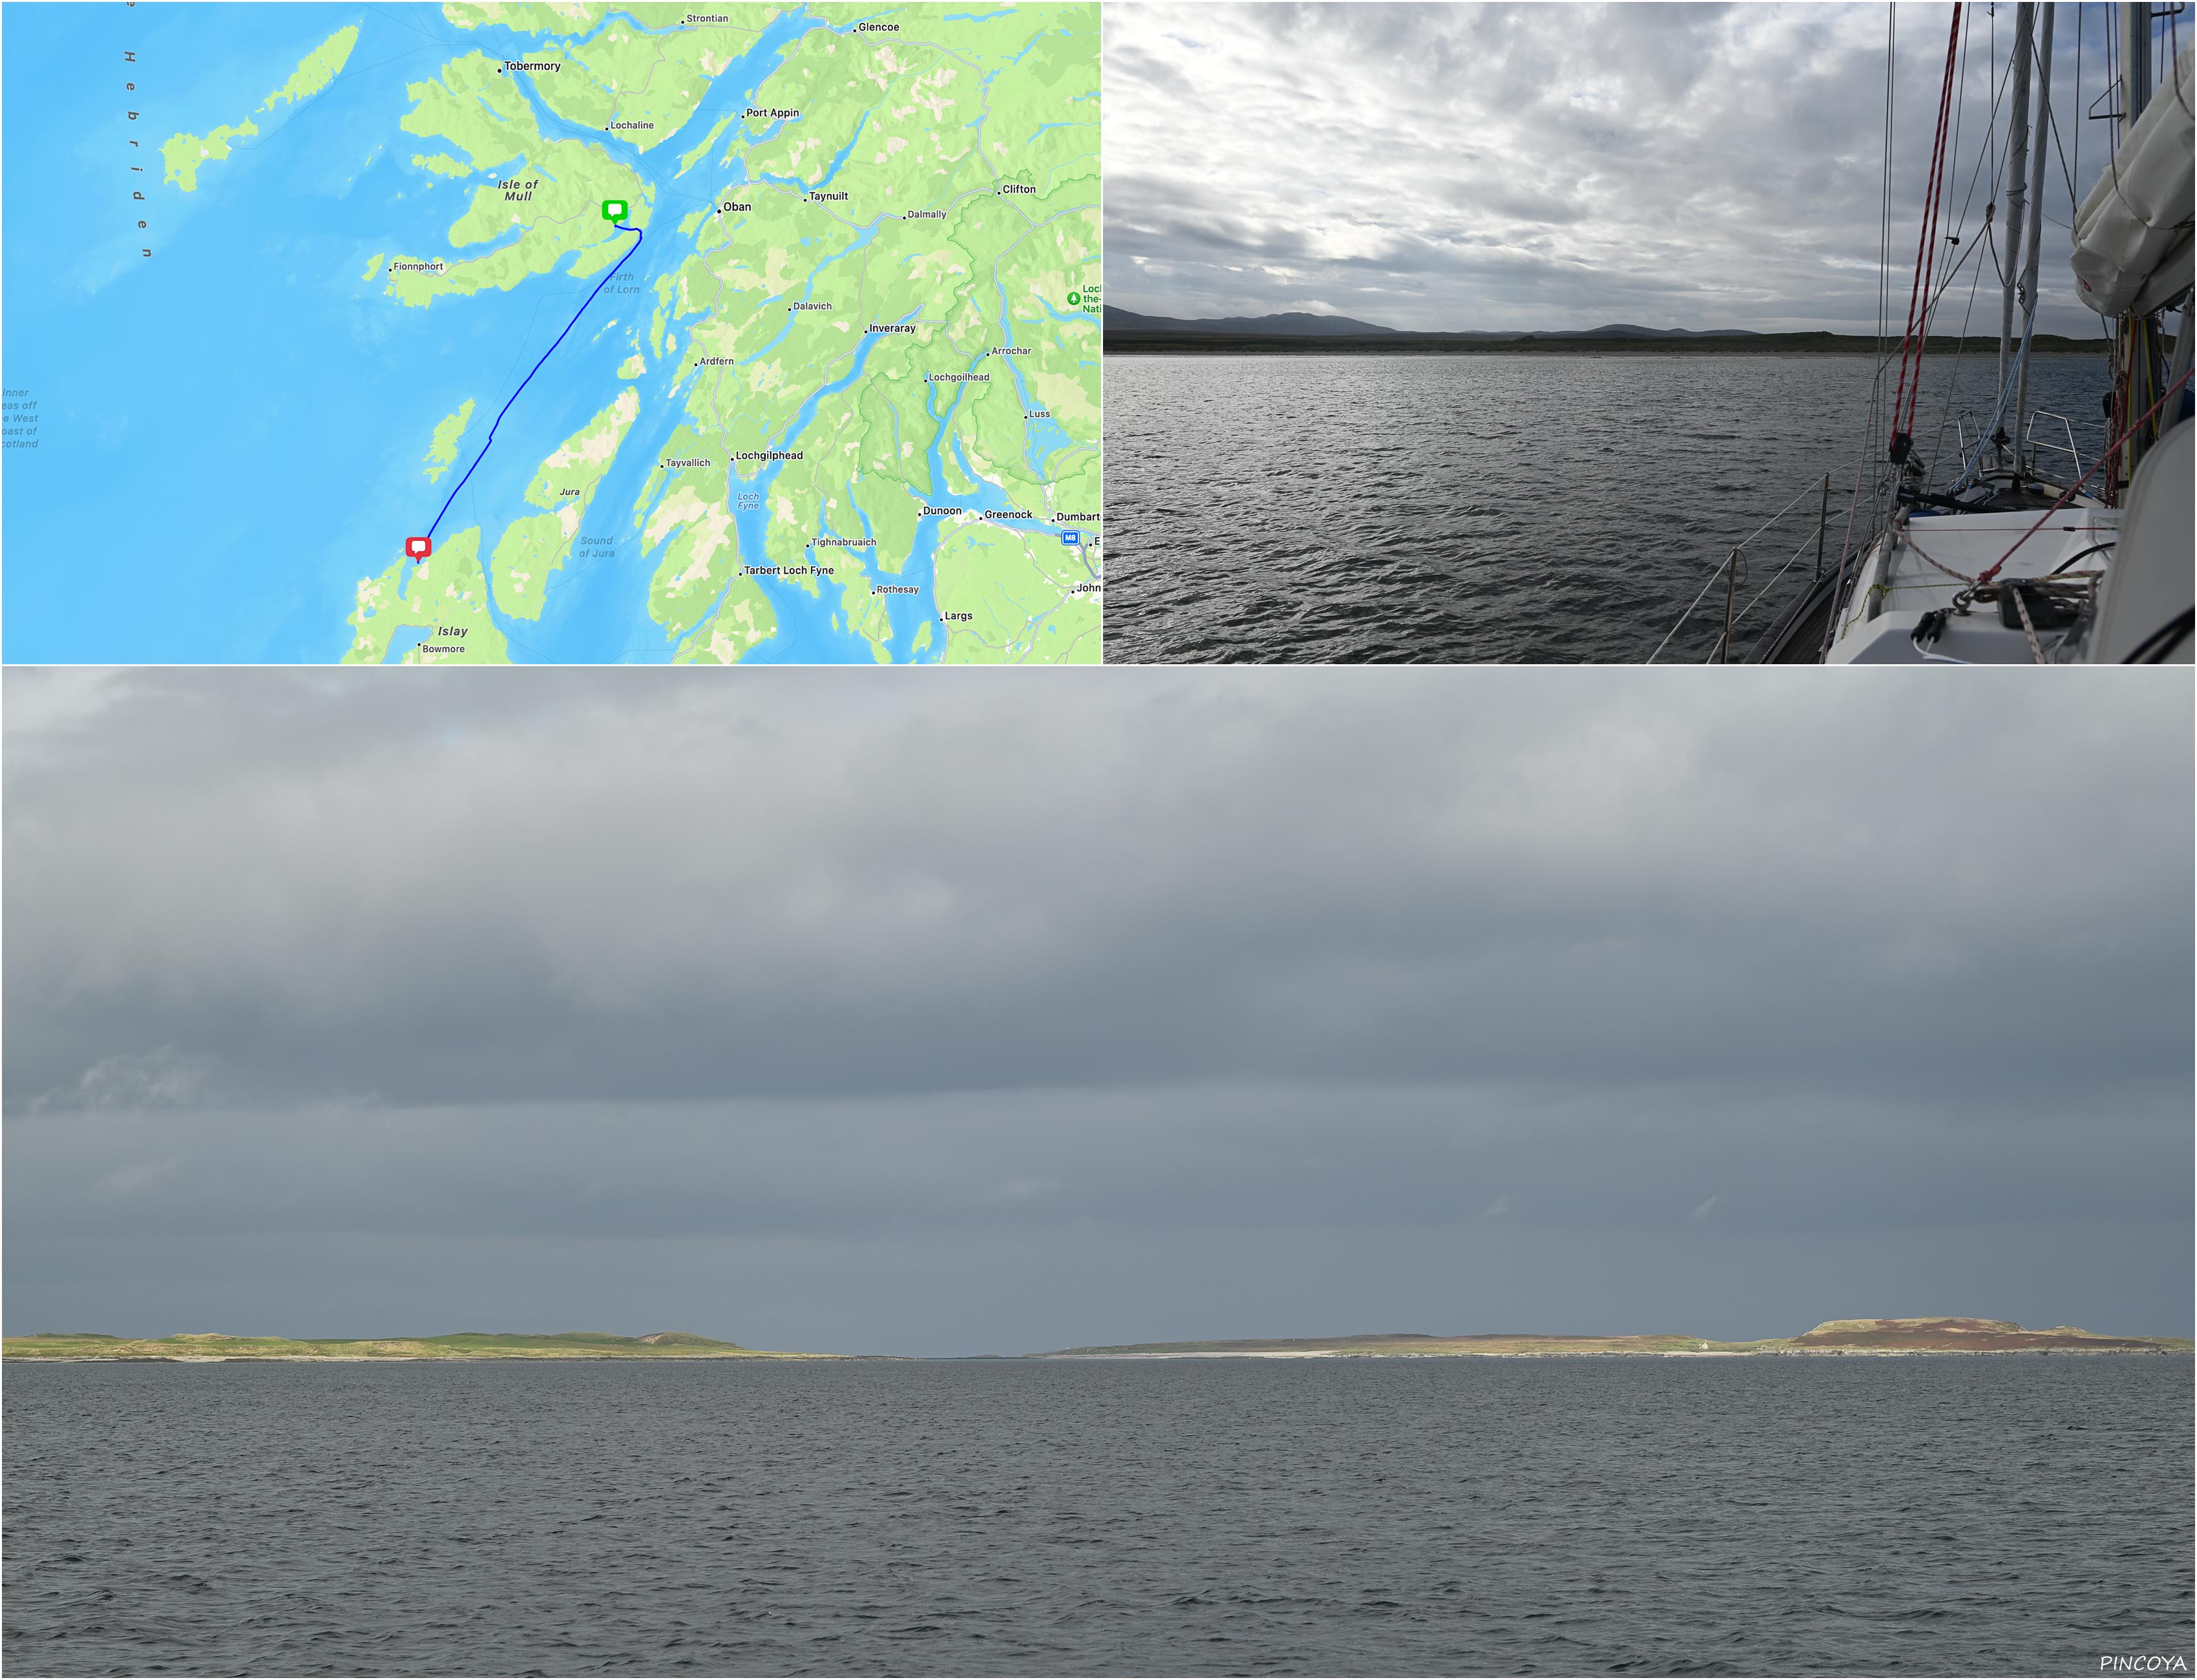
(1992, 571)
(1926, 253)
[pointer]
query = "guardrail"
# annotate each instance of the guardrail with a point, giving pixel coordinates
(2029, 436)
(1733, 574)
(2032, 445)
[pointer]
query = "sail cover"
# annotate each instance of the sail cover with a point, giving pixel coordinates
(2132, 233)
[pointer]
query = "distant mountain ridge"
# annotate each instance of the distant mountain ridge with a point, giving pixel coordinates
(1295, 323)
(1300, 324)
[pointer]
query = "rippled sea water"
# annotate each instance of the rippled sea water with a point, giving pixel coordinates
(1549, 507)
(2017, 1516)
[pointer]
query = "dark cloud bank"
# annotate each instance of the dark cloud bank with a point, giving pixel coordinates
(983, 1013)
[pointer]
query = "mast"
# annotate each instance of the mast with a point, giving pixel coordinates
(2135, 64)
(2036, 224)
(2017, 183)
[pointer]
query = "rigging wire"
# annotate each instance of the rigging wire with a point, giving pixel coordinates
(1960, 356)
(1998, 84)
(1883, 299)
(1926, 259)
(1986, 154)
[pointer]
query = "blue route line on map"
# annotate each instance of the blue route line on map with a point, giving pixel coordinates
(536, 367)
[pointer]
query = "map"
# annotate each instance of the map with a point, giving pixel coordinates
(558, 333)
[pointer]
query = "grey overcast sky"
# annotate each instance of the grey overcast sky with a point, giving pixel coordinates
(1476, 167)
(978, 1013)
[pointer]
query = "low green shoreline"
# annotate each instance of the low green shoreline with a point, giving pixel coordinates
(1869, 1337)
(1875, 1337)
(83, 1346)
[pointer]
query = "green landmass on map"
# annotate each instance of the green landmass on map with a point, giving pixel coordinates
(185, 154)
(442, 452)
(446, 596)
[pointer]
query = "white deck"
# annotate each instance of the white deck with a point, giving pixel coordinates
(1899, 583)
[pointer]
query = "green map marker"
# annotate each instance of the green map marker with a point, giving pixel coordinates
(613, 209)
(1075, 298)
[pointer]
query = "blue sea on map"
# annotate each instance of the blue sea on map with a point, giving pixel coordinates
(231, 430)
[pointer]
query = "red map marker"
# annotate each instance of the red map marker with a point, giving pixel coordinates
(419, 548)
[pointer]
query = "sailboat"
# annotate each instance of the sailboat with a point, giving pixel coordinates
(2006, 559)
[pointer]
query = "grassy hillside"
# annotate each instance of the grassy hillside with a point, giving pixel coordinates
(1971, 1336)
(464, 1345)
